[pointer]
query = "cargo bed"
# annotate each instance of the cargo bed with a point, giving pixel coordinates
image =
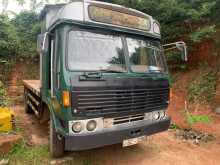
(32, 96)
(33, 85)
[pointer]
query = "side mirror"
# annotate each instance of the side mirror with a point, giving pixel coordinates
(180, 46)
(43, 42)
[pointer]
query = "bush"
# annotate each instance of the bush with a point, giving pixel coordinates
(203, 33)
(3, 98)
(9, 40)
(202, 89)
(27, 27)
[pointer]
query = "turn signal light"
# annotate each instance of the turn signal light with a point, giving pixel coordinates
(66, 98)
(171, 93)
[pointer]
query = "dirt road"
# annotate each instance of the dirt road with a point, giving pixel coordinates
(161, 149)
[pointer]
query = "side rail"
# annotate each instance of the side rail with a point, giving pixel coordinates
(32, 98)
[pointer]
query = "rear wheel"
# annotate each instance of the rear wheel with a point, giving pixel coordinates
(56, 142)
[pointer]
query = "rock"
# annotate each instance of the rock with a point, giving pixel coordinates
(64, 160)
(4, 162)
(195, 136)
(217, 110)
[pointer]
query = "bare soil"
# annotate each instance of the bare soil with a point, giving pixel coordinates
(7, 141)
(160, 149)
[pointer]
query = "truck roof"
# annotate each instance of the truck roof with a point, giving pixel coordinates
(79, 11)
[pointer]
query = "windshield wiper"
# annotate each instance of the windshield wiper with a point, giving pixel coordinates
(155, 72)
(97, 75)
(91, 76)
(111, 71)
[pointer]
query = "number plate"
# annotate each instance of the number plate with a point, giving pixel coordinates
(130, 142)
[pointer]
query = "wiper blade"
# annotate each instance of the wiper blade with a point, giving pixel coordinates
(91, 76)
(155, 71)
(94, 74)
(112, 71)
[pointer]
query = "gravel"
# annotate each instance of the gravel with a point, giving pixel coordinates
(195, 136)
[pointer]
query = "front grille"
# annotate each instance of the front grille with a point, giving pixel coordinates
(115, 101)
(127, 119)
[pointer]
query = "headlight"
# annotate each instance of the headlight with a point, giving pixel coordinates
(77, 127)
(162, 114)
(156, 115)
(91, 125)
(156, 28)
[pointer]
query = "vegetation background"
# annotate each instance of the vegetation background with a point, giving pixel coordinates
(193, 21)
(190, 20)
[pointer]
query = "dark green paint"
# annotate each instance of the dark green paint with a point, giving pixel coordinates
(58, 111)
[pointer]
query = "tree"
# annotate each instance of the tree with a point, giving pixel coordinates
(27, 28)
(8, 38)
(174, 15)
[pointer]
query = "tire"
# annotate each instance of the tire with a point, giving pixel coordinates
(27, 108)
(56, 144)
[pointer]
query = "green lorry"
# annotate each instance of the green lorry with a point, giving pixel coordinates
(103, 76)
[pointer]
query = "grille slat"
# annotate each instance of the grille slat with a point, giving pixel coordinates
(88, 102)
(121, 90)
(109, 101)
(116, 97)
(117, 94)
(107, 112)
(119, 103)
(119, 108)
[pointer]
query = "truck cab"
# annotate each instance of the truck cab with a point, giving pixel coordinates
(103, 76)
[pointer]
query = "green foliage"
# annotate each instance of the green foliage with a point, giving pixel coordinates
(27, 28)
(202, 89)
(8, 38)
(173, 56)
(192, 119)
(3, 97)
(174, 126)
(215, 12)
(23, 154)
(18, 36)
(200, 9)
(176, 16)
(202, 33)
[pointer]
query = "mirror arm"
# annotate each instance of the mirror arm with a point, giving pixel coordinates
(171, 48)
(180, 45)
(174, 44)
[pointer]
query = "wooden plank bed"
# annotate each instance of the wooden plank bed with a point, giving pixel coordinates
(33, 85)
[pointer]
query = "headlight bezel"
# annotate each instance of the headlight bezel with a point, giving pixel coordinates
(156, 28)
(81, 127)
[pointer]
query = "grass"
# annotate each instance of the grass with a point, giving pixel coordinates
(174, 126)
(192, 119)
(21, 154)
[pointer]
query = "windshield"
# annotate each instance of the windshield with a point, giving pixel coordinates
(145, 57)
(89, 51)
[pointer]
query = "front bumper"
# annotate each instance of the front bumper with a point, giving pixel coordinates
(115, 135)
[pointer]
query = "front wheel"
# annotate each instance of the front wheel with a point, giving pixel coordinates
(56, 142)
